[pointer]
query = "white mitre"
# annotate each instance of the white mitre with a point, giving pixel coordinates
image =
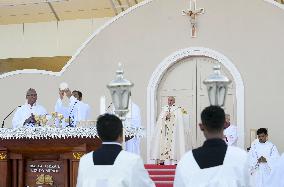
(63, 86)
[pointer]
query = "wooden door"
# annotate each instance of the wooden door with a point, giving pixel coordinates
(184, 81)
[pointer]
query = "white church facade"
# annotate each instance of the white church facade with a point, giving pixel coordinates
(153, 42)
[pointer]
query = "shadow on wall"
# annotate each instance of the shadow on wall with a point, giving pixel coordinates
(54, 64)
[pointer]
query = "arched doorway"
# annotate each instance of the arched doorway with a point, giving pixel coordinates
(181, 75)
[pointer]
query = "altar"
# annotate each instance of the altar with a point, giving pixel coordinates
(45, 156)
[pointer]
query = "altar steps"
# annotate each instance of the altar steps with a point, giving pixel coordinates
(162, 175)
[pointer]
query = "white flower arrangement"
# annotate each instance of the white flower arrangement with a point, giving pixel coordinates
(55, 133)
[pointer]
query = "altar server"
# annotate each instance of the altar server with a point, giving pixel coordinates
(215, 163)
(263, 157)
(110, 166)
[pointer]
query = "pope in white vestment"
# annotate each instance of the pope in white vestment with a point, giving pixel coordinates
(276, 177)
(263, 156)
(168, 139)
(24, 115)
(69, 112)
(233, 173)
(127, 171)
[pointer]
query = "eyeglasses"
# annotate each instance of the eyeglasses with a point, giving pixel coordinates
(33, 95)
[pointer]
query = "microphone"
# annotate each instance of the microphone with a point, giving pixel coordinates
(109, 106)
(8, 116)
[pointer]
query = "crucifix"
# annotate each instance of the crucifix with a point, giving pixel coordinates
(193, 13)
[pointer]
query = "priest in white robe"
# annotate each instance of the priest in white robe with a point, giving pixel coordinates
(230, 132)
(84, 110)
(215, 164)
(67, 105)
(263, 156)
(168, 141)
(276, 178)
(110, 166)
(133, 119)
(25, 115)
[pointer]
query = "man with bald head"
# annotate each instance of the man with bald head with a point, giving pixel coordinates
(168, 140)
(25, 115)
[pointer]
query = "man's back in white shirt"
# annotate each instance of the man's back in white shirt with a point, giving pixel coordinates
(110, 166)
(226, 167)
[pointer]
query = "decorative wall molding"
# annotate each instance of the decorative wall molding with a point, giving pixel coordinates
(279, 5)
(79, 50)
(175, 58)
(97, 32)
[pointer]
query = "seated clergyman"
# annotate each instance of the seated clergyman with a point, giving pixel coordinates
(25, 115)
(110, 166)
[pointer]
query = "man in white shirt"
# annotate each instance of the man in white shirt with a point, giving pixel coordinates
(133, 119)
(215, 164)
(84, 112)
(263, 156)
(230, 132)
(25, 115)
(276, 178)
(110, 166)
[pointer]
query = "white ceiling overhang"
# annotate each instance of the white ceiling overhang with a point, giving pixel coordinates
(29, 11)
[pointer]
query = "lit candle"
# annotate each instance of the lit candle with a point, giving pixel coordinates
(102, 104)
(189, 4)
(194, 2)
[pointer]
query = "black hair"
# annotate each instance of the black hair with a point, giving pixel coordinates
(213, 118)
(109, 127)
(29, 90)
(261, 131)
(79, 93)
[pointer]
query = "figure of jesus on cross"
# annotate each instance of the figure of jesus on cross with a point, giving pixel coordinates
(193, 13)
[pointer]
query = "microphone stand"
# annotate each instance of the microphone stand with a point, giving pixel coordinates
(69, 117)
(8, 116)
